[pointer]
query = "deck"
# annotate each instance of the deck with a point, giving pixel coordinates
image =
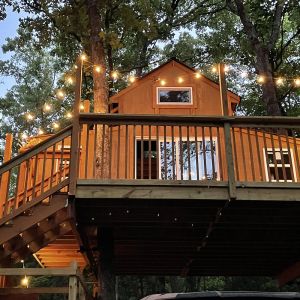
(170, 195)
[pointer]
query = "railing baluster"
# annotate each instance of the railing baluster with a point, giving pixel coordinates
(296, 152)
(149, 152)
(110, 152)
(274, 156)
(251, 154)
(165, 153)
(267, 155)
(204, 152)
(26, 181)
(243, 155)
(173, 154)
(282, 157)
(34, 176)
(290, 156)
(219, 156)
(157, 152)
(188, 151)
(5, 211)
(134, 156)
(102, 150)
(61, 159)
(87, 148)
(52, 165)
(197, 151)
(43, 171)
(126, 151)
(212, 152)
(118, 152)
(236, 161)
(142, 151)
(95, 149)
(258, 155)
(180, 152)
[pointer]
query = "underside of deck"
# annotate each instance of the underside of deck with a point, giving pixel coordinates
(191, 228)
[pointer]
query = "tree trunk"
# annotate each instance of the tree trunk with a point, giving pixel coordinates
(100, 88)
(269, 96)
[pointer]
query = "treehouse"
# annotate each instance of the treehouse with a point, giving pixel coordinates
(169, 182)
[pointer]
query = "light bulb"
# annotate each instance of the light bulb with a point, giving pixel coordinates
(198, 75)
(40, 132)
(162, 82)
(114, 75)
(260, 79)
(214, 70)
(98, 69)
(81, 106)
(70, 80)
(55, 125)
(180, 80)
(29, 117)
(69, 115)
(279, 81)
(297, 82)
(60, 94)
(25, 281)
(83, 56)
(132, 79)
(47, 107)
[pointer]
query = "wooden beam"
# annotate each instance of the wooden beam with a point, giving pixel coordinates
(37, 290)
(38, 272)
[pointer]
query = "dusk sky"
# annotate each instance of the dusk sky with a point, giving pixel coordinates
(8, 28)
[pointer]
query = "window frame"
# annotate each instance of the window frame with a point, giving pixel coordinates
(189, 88)
(268, 165)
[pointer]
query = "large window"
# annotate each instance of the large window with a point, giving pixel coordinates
(174, 95)
(279, 165)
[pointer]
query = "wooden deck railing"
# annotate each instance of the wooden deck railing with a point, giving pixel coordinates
(35, 175)
(193, 148)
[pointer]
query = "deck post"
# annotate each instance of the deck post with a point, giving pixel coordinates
(227, 133)
(107, 278)
(73, 283)
(75, 130)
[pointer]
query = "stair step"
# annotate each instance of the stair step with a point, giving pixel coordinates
(39, 213)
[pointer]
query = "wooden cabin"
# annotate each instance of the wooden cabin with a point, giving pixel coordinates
(167, 137)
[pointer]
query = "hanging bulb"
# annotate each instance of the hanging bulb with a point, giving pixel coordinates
(162, 82)
(60, 94)
(70, 80)
(83, 57)
(40, 132)
(69, 115)
(260, 79)
(131, 79)
(29, 117)
(279, 81)
(297, 82)
(55, 125)
(197, 75)
(25, 281)
(47, 107)
(214, 69)
(114, 75)
(98, 69)
(180, 80)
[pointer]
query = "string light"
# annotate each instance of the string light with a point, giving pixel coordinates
(180, 80)
(29, 117)
(25, 279)
(131, 79)
(47, 107)
(214, 69)
(70, 80)
(55, 125)
(60, 94)
(81, 106)
(83, 56)
(98, 69)
(198, 75)
(69, 115)
(279, 81)
(162, 82)
(297, 82)
(260, 79)
(40, 132)
(114, 75)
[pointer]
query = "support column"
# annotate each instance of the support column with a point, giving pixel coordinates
(106, 274)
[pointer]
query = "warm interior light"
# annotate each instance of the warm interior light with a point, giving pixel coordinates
(162, 82)
(98, 69)
(180, 80)
(25, 281)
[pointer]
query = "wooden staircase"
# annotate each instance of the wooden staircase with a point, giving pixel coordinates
(34, 207)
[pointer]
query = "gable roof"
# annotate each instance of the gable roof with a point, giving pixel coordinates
(171, 60)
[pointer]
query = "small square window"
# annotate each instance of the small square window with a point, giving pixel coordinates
(174, 95)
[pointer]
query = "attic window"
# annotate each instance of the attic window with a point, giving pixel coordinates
(174, 95)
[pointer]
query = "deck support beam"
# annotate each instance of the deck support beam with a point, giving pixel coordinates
(106, 274)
